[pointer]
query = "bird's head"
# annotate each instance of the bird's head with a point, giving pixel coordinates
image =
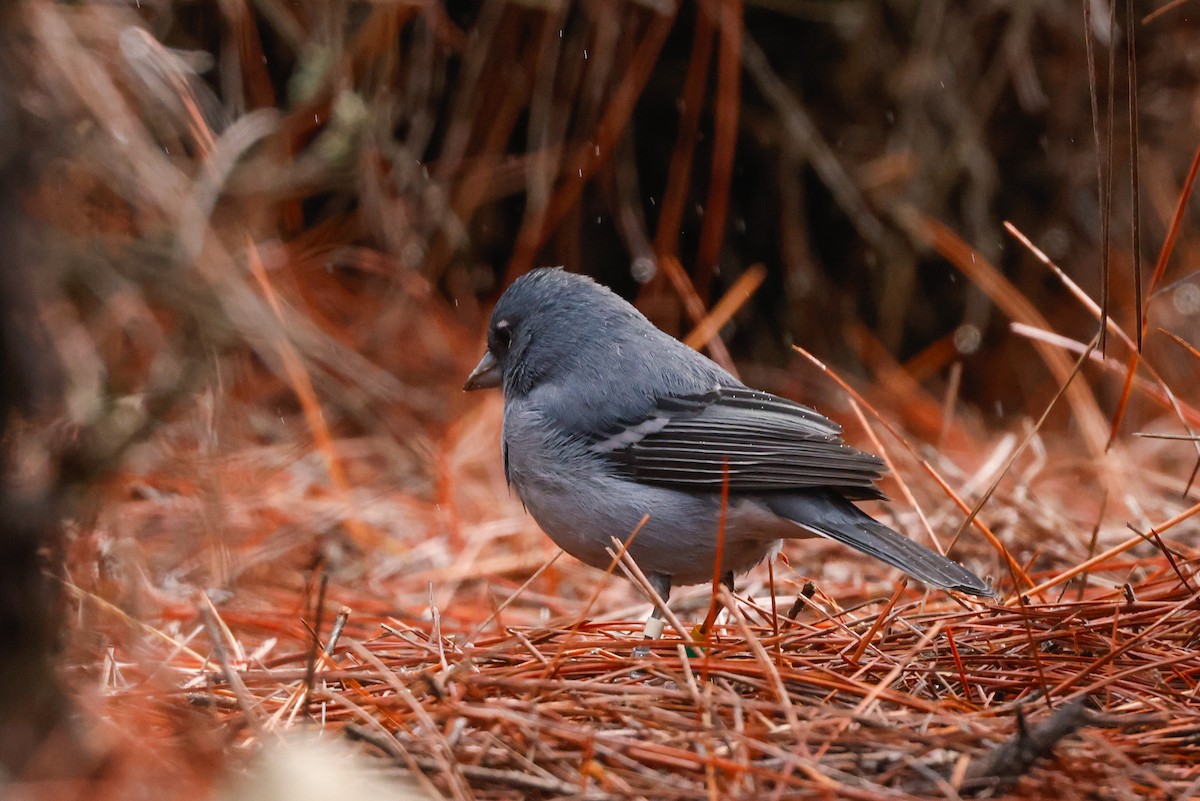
(547, 321)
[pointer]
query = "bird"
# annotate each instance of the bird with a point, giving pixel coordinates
(611, 426)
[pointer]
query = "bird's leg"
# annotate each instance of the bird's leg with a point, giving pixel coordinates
(661, 584)
(727, 580)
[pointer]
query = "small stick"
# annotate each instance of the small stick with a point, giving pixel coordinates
(949, 402)
(311, 669)
(634, 573)
(774, 605)
(516, 594)
(803, 600)
(882, 616)
(335, 633)
(1011, 760)
(566, 642)
(1116, 550)
(245, 701)
(711, 618)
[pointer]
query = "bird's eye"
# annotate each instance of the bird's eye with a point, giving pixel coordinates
(501, 337)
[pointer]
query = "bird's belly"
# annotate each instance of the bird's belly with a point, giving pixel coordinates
(676, 532)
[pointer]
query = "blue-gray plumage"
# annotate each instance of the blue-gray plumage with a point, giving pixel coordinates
(607, 419)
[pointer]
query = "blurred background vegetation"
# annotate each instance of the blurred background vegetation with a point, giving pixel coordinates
(458, 144)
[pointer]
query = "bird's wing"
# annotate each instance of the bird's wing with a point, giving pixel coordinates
(755, 440)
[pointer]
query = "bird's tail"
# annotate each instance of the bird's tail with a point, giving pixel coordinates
(837, 519)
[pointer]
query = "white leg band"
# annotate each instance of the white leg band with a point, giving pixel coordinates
(653, 629)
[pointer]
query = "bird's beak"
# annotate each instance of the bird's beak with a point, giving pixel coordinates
(485, 375)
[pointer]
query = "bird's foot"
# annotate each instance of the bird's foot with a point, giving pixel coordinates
(651, 632)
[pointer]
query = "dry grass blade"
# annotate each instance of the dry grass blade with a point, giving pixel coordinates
(729, 73)
(1011, 460)
(1010, 563)
(738, 294)
(1135, 160)
(302, 385)
(1116, 550)
(1163, 9)
(694, 307)
(634, 573)
(1170, 398)
(1168, 246)
(591, 156)
(679, 174)
(879, 448)
(219, 633)
(1106, 200)
(1016, 306)
(1093, 96)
